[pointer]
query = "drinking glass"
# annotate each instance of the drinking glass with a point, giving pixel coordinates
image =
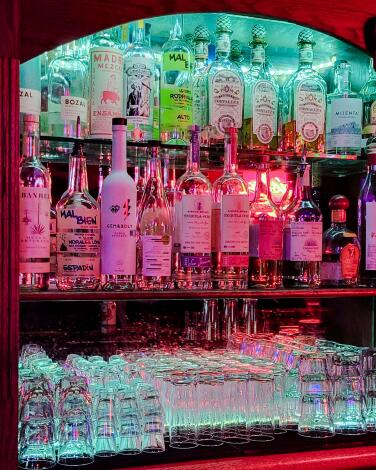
(261, 404)
(128, 419)
(369, 376)
(152, 421)
(75, 445)
(36, 450)
(316, 415)
(104, 423)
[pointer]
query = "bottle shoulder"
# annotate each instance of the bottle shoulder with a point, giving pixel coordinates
(301, 75)
(230, 184)
(222, 64)
(190, 181)
(138, 51)
(77, 199)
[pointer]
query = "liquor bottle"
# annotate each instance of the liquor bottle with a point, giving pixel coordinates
(259, 130)
(118, 217)
(344, 115)
(52, 232)
(265, 234)
(78, 229)
(304, 103)
(224, 87)
(106, 83)
(156, 82)
(67, 94)
(201, 42)
(368, 94)
(30, 88)
(236, 52)
(230, 231)
(341, 249)
(154, 231)
(34, 211)
(193, 214)
(288, 195)
(176, 88)
(44, 62)
(139, 73)
(302, 236)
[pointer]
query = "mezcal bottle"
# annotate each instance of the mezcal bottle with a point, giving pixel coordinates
(368, 94)
(304, 103)
(201, 42)
(259, 130)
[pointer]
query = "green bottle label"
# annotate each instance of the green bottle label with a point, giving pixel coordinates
(173, 118)
(177, 60)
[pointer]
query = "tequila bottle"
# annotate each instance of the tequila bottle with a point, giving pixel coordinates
(230, 232)
(193, 213)
(341, 249)
(259, 130)
(304, 103)
(67, 94)
(176, 88)
(368, 94)
(265, 234)
(34, 211)
(302, 236)
(201, 42)
(139, 71)
(236, 52)
(154, 231)
(225, 87)
(344, 114)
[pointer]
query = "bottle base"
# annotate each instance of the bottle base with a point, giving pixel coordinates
(230, 284)
(77, 284)
(154, 284)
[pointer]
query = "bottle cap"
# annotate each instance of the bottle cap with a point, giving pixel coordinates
(223, 24)
(201, 34)
(119, 121)
(236, 49)
(258, 35)
(339, 202)
(305, 37)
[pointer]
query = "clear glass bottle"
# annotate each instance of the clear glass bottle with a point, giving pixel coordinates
(259, 131)
(304, 103)
(230, 224)
(104, 169)
(67, 94)
(44, 94)
(78, 230)
(139, 65)
(344, 114)
(156, 81)
(236, 52)
(193, 214)
(118, 217)
(302, 237)
(52, 234)
(176, 88)
(201, 43)
(288, 195)
(224, 88)
(34, 210)
(154, 231)
(265, 234)
(341, 248)
(368, 94)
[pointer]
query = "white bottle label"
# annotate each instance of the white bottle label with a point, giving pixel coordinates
(258, 54)
(78, 242)
(234, 228)
(305, 241)
(30, 101)
(306, 53)
(310, 109)
(118, 230)
(370, 236)
(264, 111)
(372, 112)
(223, 43)
(106, 90)
(346, 123)
(195, 223)
(34, 230)
(226, 100)
(156, 255)
(73, 106)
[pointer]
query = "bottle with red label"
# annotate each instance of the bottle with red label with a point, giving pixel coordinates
(341, 248)
(265, 234)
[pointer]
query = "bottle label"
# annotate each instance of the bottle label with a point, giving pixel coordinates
(270, 239)
(310, 109)
(346, 123)
(118, 230)
(258, 54)
(234, 261)
(306, 53)
(370, 236)
(106, 90)
(234, 224)
(78, 241)
(223, 43)
(372, 113)
(305, 241)
(156, 255)
(195, 223)
(34, 230)
(349, 259)
(226, 100)
(30, 101)
(176, 108)
(73, 106)
(188, 261)
(264, 111)
(178, 61)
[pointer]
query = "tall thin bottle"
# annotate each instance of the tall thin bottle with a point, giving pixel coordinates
(118, 217)
(230, 232)
(201, 42)
(368, 94)
(34, 211)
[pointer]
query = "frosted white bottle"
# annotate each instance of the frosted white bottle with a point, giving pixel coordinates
(118, 216)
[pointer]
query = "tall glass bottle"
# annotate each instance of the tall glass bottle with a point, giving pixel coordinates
(368, 94)
(230, 224)
(67, 94)
(344, 114)
(176, 88)
(304, 103)
(78, 230)
(154, 231)
(193, 213)
(201, 42)
(224, 87)
(139, 65)
(118, 217)
(302, 236)
(34, 211)
(259, 130)
(265, 234)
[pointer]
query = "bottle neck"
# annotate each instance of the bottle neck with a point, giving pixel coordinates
(154, 169)
(343, 81)
(262, 188)
(258, 55)
(77, 174)
(176, 32)
(201, 52)
(193, 161)
(119, 148)
(338, 217)
(223, 45)
(231, 155)
(305, 55)
(139, 34)
(303, 186)
(30, 141)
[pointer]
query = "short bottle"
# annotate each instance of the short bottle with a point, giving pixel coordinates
(341, 248)
(118, 217)
(368, 94)
(230, 224)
